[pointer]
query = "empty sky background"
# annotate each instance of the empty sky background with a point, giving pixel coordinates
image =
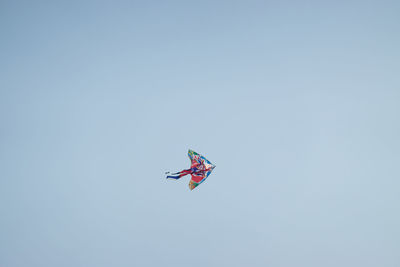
(297, 103)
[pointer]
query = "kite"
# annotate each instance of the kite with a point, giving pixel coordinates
(200, 169)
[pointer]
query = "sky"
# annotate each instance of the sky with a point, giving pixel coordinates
(297, 103)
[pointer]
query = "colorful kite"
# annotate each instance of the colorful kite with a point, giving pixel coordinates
(200, 169)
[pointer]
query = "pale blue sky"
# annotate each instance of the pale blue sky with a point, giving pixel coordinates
(296, 102)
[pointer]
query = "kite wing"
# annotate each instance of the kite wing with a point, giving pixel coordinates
(194, 158)
(204, 166)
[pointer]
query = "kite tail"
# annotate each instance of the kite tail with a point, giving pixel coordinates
(178, 175)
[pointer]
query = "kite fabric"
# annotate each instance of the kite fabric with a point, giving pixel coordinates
(200, 169)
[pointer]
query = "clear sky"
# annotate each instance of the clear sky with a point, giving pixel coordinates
(297, 103)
